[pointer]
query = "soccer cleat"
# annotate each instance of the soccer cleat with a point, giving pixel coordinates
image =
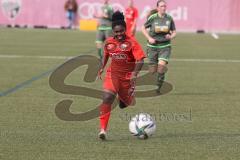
(122, 105)
(159, 86)
(102, 135)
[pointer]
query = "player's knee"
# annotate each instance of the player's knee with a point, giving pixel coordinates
(108, 98)
(162, 68)
(99, 45)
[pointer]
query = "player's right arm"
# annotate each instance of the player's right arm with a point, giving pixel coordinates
(145, 32)
(103, 62)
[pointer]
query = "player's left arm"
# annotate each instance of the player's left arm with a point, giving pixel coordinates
(139, 59)
(172, 34)
(138, 67)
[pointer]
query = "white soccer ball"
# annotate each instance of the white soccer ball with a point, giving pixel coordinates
(142, 126)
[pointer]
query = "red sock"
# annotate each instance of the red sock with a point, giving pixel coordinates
(105, 110)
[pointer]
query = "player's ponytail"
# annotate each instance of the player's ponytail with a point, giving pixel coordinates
(153, 11)
(118, 19)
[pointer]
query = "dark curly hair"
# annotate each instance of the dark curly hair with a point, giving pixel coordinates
(118, 19)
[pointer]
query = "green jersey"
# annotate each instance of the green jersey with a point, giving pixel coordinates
(159, 27)
(106, 23)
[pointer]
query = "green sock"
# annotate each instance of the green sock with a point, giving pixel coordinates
(100, 52)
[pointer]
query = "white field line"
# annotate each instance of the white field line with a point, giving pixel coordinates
(207, 60)
(35, 57)
(70, 57)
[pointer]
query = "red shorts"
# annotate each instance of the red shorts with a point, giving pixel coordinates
(120, 86)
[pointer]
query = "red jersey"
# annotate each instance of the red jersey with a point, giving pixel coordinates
(131, 14)
(123, 55)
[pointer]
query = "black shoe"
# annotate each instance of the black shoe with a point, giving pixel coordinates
(122, 105)
(159, 86)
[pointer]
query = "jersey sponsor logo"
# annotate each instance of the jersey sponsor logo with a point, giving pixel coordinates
(159, 29)
(125, 46)
(118, 56)
(11, 8)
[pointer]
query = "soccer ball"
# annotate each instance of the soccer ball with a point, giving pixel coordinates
(142, 126)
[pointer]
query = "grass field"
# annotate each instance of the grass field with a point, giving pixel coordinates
(203, 71)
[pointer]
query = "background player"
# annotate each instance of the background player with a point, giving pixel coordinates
(161, 31)
(131, 15)
(71, 8)
(126, 62)
(104, 29)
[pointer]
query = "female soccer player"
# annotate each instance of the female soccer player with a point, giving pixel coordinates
(131, 15)
(104, 29)
(161, 31)
(126, 62)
